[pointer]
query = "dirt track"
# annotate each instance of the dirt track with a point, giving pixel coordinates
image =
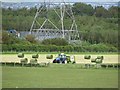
(42, 58)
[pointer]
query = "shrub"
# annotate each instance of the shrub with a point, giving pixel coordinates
(30, 38)
(55, 41)
(54, 48)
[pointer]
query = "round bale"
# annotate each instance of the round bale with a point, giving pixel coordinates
(33, 61)
(20, 55)
(93, 60)
(98, 61)
(35, 56)
(49, 56)
(100, 57)
(24, 61)
(87, 57)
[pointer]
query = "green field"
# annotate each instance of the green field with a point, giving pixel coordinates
(58, 76)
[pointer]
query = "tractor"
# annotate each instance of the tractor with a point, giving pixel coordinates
(62, 58)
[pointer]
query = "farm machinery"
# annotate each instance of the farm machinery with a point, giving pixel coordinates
(63, 59)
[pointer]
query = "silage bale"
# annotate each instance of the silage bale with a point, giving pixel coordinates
(24, 61)
(98, 61)
(33, 61)
(100, 57)
(72, 59)
(68, 59)
(20, 55)
(87, 57)
(73, 62)
(49, 56)
(35, 56)
(93, 60)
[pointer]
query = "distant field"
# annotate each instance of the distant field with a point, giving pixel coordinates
(58, 76)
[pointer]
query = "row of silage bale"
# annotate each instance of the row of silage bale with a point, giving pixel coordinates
(97, 60)
(25, 60)
(34, 60)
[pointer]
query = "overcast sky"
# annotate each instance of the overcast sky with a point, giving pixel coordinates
(60, 0)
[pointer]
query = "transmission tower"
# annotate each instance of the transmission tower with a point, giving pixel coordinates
(54, 20)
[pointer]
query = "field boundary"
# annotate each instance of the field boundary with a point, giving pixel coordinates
(81, 53)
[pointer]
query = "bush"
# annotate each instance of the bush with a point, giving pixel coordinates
(55, 41)
(30, 38)
(8, 38)
(54, 48)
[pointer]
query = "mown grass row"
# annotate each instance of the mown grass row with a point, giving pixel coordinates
(72, 66)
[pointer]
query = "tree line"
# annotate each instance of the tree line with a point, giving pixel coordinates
(21, 19)
(96, 25)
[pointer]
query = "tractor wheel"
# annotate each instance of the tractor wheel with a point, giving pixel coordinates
(54, 61)
(58, 61)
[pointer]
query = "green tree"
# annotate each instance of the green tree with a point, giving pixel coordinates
(55, 41)
(113, 11)
(100, 11)
(83, 9)
(8, 38)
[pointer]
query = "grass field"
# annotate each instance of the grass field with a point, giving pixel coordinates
(58, 76)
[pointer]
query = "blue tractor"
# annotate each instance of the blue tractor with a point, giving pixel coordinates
(62, 58)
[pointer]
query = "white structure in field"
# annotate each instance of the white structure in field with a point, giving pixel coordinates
(45, 27)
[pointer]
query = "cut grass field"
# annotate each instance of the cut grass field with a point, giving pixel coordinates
(78, 57)
(58, 76)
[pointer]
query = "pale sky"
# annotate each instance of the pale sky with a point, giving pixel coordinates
(60, 0)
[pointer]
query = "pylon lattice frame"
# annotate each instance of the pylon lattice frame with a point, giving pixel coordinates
(42, 33)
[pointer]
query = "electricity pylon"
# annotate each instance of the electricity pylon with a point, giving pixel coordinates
(50, 21)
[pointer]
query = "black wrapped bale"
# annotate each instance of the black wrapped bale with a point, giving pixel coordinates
(87, 57)
(100, 57)
(33, 61)
(93, 60)
(49, 56)
(24, 61)
(35, 56)
(20, 55)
